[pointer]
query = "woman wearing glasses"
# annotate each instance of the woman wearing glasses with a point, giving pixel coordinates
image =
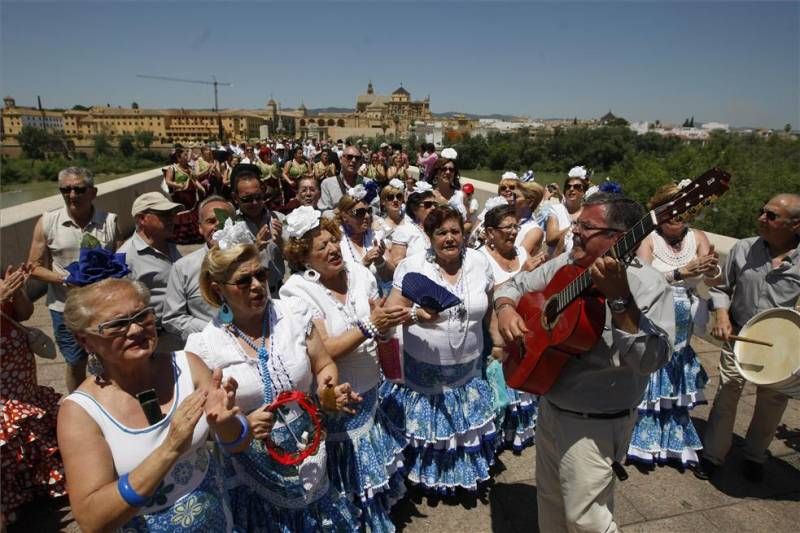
(391, 202)
(444, 405)
(409, 238)
(664, 431)
(558, 233)
(133, 438)
(447, 188)
(361, 243)
(527, 199)
(268, 347)
(517, 422)
(364, 454)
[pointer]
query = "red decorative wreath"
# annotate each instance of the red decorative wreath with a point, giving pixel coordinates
(307, 404)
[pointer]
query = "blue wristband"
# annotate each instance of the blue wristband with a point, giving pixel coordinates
(243, 435)
(131, 497)
(364, 330)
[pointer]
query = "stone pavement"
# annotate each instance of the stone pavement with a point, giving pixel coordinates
(662, 499)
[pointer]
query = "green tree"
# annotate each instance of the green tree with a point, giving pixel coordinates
(126, 145)
(102, 144)
(134, 105)
(80, 108)
(787, 128)
(34, 141)
(144, 139)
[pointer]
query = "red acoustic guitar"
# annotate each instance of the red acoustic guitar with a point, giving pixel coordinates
(566, 318)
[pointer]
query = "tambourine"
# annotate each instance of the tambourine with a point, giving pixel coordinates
(307, 449)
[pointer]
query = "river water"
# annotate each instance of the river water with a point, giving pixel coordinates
(19, 193)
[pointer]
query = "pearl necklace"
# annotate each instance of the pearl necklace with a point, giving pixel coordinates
(458, 316)
(348, 308)
(365, 242)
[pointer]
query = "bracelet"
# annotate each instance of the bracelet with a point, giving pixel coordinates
(502, 305)
(131, 497)
(364, 326)
(414, 317)
(243, 435)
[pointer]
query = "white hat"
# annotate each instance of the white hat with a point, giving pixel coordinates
(384, 145)
(280, 147)
(508, 175)
(450, 153)
(577, 172)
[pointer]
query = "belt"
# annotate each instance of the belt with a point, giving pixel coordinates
(598, 416)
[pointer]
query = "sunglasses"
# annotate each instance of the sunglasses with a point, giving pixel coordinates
(430, 204)
(351, 156)
(504, 188)
(393, 197)
(251, 198)
(448, 169)
(262, 274)
(576, 186)
(771, 215)
(120, 326)
(77, 190)
(360, 212)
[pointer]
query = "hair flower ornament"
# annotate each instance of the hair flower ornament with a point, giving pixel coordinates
(357, 193)
(491, 203)
(232, 234)
(371, 186)
(509, 176)
(397, 184)
(95, 263)
(684, 183)
(422, 187)
(450, 153)
(577, 172)
(301, 220)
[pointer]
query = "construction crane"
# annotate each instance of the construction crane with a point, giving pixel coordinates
(214, 82)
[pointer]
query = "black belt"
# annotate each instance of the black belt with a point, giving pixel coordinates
(598, 416)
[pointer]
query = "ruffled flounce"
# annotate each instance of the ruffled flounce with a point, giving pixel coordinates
(331, 513)
(452, 435)
(662, 436)
(679, 383)
(367, 467)
(30, 462)
(517, 422)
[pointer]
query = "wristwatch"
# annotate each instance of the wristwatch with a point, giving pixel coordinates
(618, 305)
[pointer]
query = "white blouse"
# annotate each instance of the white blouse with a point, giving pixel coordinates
(502, 275)
(359, 367)
(411, 236)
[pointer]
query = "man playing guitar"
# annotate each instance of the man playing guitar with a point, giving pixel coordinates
(586, 418)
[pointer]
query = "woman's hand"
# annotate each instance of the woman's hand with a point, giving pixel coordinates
(426, 315)
(185, 418)
(374, 254)
(220, 405)
(262, 420)
(704, 265)
(14, 281)
(384, 317)
(499, 353)
(535, 261)
(337, 397)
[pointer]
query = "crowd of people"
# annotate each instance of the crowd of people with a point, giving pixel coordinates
(306, 286)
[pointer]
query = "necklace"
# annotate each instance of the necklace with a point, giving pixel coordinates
(364, 245)
(458, 316)
(510, 267)
(348, 307)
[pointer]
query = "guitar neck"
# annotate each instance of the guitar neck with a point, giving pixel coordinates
(621, 250)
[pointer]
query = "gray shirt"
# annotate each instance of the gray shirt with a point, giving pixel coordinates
(612, 375)
(331, 191)
(151, 267)
(750, 284)
(185, 310)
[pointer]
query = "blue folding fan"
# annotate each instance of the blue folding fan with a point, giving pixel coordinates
(426, 293)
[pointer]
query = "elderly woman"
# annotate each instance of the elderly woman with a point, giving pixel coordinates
(558, 229)
(409, 238)
(444, 405)
(530, 234)
(133, 438)
(361, 243)
(269, 346)
(501, 228)
(364, 455)
(393, 215)
(664, 431)
(507, 188)
(308, 193)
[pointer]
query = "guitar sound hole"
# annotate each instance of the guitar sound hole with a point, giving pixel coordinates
(550, 314)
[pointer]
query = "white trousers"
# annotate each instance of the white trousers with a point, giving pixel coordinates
(574, 479)
(769, 409)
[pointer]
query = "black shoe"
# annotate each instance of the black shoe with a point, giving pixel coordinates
(704, 469)
(752, 471)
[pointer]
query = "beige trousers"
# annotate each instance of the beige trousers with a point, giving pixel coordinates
(769, 409)
(574, 479)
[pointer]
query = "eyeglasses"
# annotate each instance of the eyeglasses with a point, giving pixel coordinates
(352, 156)
(576, 186)
(393, 197)
(583, 227)
(77, 190)
(120, 326)
(430, 204)
(262, 274)
(510, 228)
(771, 215)
(359, 213)
(251, 198)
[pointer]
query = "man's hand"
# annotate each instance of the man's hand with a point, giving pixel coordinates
(722, 329)
(609, 277)
(510, 324)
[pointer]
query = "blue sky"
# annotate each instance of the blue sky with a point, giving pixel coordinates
(734, 62)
